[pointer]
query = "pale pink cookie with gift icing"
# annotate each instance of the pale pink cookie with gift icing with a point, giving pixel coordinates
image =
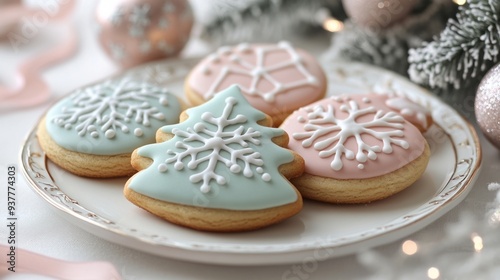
(355, 149)
(275, 78)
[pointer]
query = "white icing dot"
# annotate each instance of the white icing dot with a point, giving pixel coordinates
(164, 100)
(205, 188)
(162, 168)
(179, 165)
(248, 173)
(68, 126)
(60, 122)
(301, 119)
(94, 134)
(91, 128)
(125, 129)
(266, 177)
(366, 100)
(205, 116)
(138, 132)
(361, 166)
(235, 168)
(160, 116)
(259, 169)
(221, 180)
(110, 134)
(199, 127)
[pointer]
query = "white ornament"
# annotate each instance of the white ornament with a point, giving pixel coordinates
(218, 136)
(261, 71)
(334, 132)
(109, 106)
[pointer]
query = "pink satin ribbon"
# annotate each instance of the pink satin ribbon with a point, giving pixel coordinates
(32, 89)
(32, 263)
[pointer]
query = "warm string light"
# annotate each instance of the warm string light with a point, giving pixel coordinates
(328, 22)
(409, 247)
(478, 242)
(460, 2)
(333, 25)
(433, 273)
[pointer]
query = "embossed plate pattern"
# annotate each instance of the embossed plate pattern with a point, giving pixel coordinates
(320, 231)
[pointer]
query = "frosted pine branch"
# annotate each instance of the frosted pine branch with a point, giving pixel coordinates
(388, 48)
(463, 52)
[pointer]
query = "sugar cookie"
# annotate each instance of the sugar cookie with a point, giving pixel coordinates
(93, 131)
(275, 78)
(221, 169)
(356, 150)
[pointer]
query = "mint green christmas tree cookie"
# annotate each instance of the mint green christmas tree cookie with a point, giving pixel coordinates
(223, 168)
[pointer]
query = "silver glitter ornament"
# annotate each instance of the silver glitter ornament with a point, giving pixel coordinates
(487, 105)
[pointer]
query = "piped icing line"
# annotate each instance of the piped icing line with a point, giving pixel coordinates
(409, 109)
(352, 137)
(260, 71)
(322, 123)
(219, 157)
(216, 142)
(116, 115)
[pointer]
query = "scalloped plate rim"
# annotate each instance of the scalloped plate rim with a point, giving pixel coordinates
(252, 254)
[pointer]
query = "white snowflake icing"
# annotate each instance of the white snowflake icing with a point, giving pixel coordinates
(117, 16)
(260, 71)
(139, 19)
(110, 106)
(217, 136)
(328, 134)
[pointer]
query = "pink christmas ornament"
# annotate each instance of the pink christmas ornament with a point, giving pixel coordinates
(378, 14)
(135, 31)
(487, 105)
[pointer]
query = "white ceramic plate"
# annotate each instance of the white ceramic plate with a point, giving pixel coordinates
(320, 231)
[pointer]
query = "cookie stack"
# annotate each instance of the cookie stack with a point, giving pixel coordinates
(258, 136)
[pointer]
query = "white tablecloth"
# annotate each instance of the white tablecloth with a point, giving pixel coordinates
(41, 230)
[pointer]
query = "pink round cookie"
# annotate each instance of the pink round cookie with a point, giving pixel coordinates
(356, 149)
(275, 78)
